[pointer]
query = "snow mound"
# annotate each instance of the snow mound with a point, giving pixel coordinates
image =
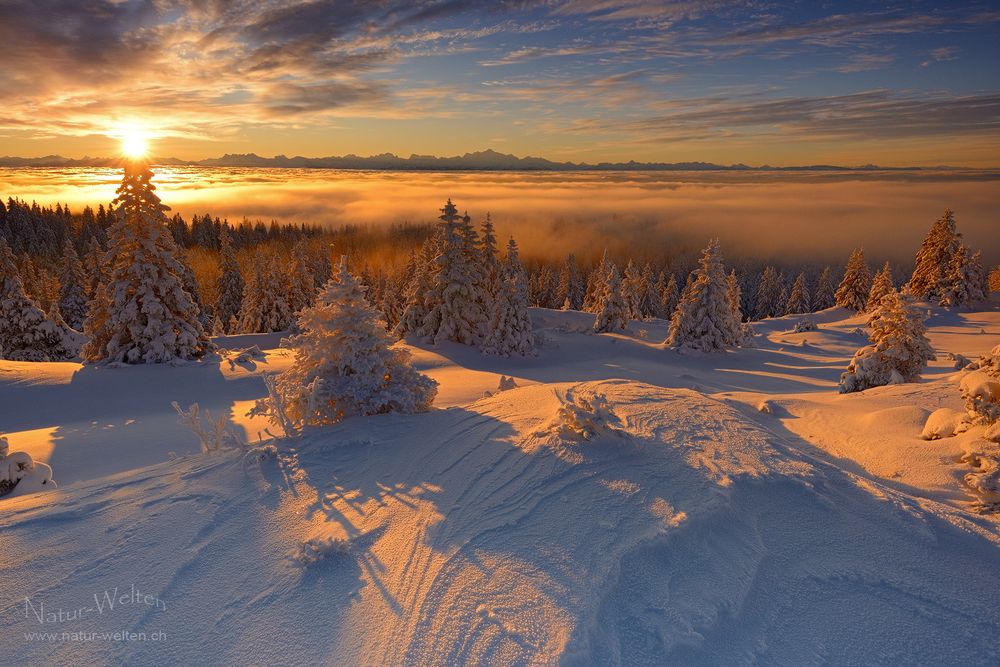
(695, 537)
(944, 423)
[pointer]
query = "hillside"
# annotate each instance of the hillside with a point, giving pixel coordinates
(624, 504)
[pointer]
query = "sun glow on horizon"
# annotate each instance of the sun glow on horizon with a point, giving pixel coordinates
(134, 142)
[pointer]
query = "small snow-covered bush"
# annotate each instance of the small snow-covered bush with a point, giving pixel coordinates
(20, 475)
(585, 417)
(961, 361)
(316, 549)
(981, 388)
(804, 325)
(214, 434)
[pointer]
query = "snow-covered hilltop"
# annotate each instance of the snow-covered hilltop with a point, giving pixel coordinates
(620, 504)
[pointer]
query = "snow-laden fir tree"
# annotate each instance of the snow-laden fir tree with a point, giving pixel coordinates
(596, 283)
(669, 295)
(899, 348)
(768, 302)
(572, 286)
(733, 294)
(980, 278)
(612, 310)
(417, 289)
(72, 288)
(229, 285)
(265, 301)
(26, 333)
(454, 301)
(489, 256)
(344, 364)
(881, 285)
(933, 261)
(798, 299)
(150, 317)
(704, 319)
(994, 281)
(825, 291)
(96, 265)
(857, 282)
(962, 286)
(634, 290)
(301, 289)
(509, 328)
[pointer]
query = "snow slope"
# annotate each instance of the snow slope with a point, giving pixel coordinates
(689, 529)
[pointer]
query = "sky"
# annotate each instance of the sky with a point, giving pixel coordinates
(780, 83)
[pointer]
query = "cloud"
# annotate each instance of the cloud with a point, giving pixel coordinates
(877, 114)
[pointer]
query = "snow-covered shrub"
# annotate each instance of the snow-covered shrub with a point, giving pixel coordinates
(247, 355)
(765, 407)
(586, 417)
(316, 549)
(214, 434)
(20, 474)
(985, 478)
(944, 423)
(804, 325)
(899, 348)
(344, 365)
(981, 388)
(961, 361)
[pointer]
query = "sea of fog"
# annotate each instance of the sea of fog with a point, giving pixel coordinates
(759, 215)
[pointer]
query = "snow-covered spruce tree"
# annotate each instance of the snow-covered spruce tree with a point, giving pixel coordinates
(980, 278)
(596, 283)
(489, 256)
(881, 285)
(962, 286)
(455, 300)
(768, 302)
(150, 317)
(633, 290)
(417, 290)
(572, 286)
(230, 282)
(857, 282)
(344, 364)
(509, 328)
(733, 294)
(899, 348)
(704, 319)
(994, 281)
(265, 302)
(72, 290)
(26, 333)
(301, 286)
(96, 265)
(669, 295)
(798, 300)
(612, 310)
(824, 297)
(933, 261)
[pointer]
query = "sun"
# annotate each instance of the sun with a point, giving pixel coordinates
(135, 143)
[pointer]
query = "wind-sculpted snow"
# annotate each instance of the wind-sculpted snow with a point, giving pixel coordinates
(687, 534)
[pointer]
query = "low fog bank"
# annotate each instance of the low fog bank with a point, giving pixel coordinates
(759, 216)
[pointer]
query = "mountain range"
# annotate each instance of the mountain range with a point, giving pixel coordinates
(487, 160)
